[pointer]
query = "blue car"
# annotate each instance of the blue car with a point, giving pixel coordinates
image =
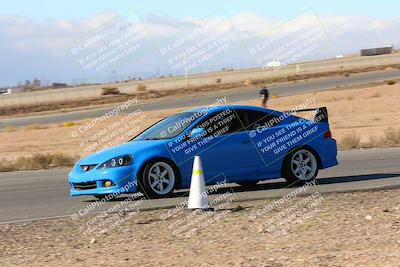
(239, 144)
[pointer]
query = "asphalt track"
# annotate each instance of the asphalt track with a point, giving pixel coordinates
(31, 195)
(232, 95)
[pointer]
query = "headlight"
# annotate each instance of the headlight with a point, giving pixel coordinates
(117, 162)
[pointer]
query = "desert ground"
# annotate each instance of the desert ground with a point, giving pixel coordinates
(359, 118)
(346, 229)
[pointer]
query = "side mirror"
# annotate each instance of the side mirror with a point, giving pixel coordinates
(197, 133)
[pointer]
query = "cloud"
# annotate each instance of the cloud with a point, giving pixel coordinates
(254, 25)
(51, 40)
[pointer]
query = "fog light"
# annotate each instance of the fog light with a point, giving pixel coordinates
(107, 183)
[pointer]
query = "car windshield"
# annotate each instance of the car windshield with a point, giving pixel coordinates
(169, 127)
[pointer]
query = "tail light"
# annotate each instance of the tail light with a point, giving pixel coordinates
(328, 134)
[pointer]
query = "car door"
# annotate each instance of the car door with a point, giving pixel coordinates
(263, 128)
(226, 150)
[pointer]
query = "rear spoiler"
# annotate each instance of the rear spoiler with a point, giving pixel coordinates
(321, 114)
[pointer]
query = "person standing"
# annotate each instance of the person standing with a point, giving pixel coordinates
(264, 95)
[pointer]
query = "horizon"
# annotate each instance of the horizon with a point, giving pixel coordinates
(39, 42)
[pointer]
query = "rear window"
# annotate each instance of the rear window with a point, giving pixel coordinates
(254, 119)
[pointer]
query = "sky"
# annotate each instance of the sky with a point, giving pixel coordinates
(42, 9)
(73, 41)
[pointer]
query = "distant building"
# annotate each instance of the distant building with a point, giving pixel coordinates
(377, 51)
(58, 85)
(273, 64)
(13, 90)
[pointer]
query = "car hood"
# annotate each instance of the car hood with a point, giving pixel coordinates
(132, 147)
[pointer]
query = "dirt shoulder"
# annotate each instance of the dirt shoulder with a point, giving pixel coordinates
(359, 118)
(347, 229)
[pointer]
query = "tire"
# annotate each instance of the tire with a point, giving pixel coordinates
(248, 183)
(300, 166)
(159, 179)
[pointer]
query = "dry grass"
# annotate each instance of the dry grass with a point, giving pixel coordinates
(392, 136)
(249, 82)
(375, 95)
(374, 142)
(35, 126)
(38, 162)
(350, 141)
(110, 91)
(218, 80)
(68, 124)
(9, 129)
(391, 82)
(141, 88)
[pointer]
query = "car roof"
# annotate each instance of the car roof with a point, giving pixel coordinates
(224, 107)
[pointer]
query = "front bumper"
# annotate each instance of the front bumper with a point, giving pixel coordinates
(92, 182)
